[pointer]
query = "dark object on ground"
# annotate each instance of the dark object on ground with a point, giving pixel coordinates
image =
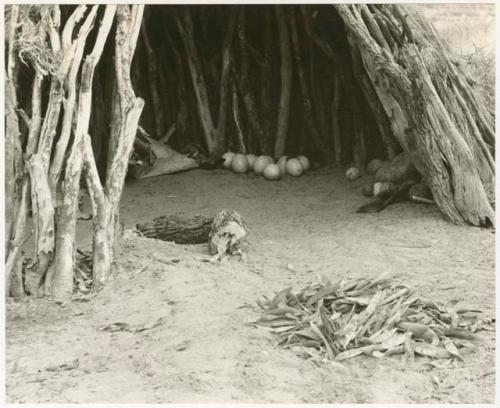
(227, 232)
(224, 232)
(178, 229)
(154, 159)
(421, 191)
(367, 190)
(388, 197)
(199, 154)
(398, 170)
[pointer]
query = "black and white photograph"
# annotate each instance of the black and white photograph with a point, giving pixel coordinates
(236, 203)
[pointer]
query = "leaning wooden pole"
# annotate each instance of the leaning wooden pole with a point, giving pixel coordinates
(286, 83)
(106, 199)
(306, 92)
(427, 129)
(62, 280)
(246, 89)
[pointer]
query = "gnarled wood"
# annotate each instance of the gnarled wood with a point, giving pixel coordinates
(177, 228)
(61, 285)
(422, 125)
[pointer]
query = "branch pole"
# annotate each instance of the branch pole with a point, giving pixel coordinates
(125, 119)
(286, 80)
(61, 284)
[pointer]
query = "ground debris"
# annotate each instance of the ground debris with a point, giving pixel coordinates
(377, 317)
(82, 278)
(123, 326)
(65, 366)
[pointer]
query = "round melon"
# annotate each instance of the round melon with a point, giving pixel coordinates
(306, 164)
(227, 157)
(239, 164)
(374, 165)
(260, 163)
(251, 159)
(282, 164)
(272, 172)
(294, 167)
(352, 173)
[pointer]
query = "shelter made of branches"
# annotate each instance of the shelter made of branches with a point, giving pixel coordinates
(340, 83)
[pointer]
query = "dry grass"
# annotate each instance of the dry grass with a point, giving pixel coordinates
(378, 317)
(466, 27)
(469, 30)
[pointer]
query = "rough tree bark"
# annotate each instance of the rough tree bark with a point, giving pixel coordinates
(12, 132)
(57, 162)
(422, 124)
(377, 109)
(178, 229)
(16, 182)
(42, 135)
(105, 199)
(61, 283)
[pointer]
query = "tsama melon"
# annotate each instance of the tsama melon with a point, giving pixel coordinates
(294, 167)
(374, 165)
(282, 164)
(272, 172)
(239, 164)
(251, 159)
(352, 173)
(227, 157)
(260, 163)
(306, 164)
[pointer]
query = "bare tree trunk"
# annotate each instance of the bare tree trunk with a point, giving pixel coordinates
(12, 132)
(376, 107)
(15, 243)
(125, 118)
(180, 87)
(266, 75)
(246, 92)
(43, 218)
(153, 82)
(186, 31)
(61, 284)
(237, 118)
(419, 120)
(224, 82)
(21, 201)
(306, 94)
(69, 106)
(335, 120)
(286, 82)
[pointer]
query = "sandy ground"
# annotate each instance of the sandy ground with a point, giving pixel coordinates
(203, 350)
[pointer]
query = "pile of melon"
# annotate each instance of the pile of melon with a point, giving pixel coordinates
(265, 165)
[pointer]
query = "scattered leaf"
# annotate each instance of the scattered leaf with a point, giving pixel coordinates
(367, 316)
(452, 349)
(65, 366)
